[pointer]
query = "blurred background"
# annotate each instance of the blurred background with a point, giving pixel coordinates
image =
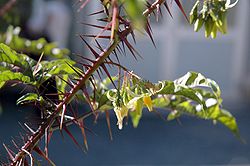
(179, 49)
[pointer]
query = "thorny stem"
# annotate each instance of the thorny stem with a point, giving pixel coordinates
(153, 7)
(34, 139)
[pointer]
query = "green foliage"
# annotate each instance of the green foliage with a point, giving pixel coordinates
(51, 68)
(22, 68)
(36, 47)
(212, 16)
(17, 14)
(192, 95)
(134, 10)
(8, 75)
(10, 57)
(29, 98)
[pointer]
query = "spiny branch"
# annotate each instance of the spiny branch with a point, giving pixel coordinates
(34, 139)
(37, 136)
(156, 4)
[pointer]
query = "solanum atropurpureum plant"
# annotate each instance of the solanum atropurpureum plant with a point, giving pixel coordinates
(56, 84)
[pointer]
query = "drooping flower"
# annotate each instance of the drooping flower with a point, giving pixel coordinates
(120, 113)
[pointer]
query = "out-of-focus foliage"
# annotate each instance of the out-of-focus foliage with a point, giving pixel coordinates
(35, 47)
(134, 10)
(18, 14)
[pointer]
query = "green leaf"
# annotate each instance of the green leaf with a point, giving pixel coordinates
(161, 102)
(173, 115)
(29, 98)
(198, 24)
(102, 101)
(61, 85)
(185, 86)
(4, 67)
(9, 56)
(136, 113)
(209, 26)
(195, 80)
(195, 95)
(168, 87)
(58, 67)
(11, 76)
(193, 16)
(212, 113)
(213, 15)
(229, 121)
